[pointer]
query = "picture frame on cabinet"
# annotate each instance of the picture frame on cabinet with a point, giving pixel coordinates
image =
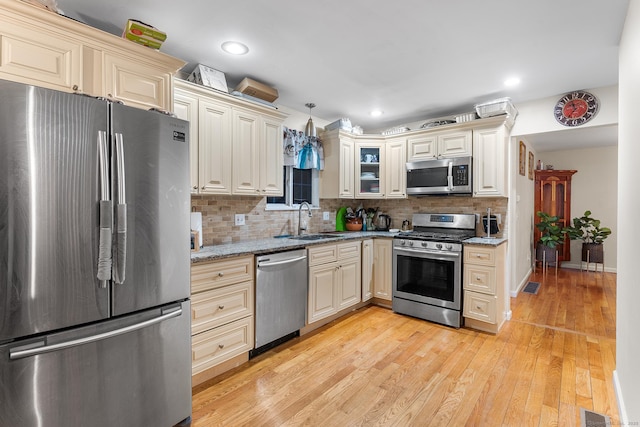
(531, 159)
(522, 158)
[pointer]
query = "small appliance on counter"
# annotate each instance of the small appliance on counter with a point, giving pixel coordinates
(383, 222)
(196, 227)
(490, 224)
(340, 219)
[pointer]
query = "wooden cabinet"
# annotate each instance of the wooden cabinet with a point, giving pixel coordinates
(429, 144)
(382, 269)
(334, 279)
(484, 275)
(45, 49)
(222, 314)
(236, 147)
(367, 269)
(490, 168)
(553, 196)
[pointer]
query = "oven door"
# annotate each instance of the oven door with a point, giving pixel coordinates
(430, 277)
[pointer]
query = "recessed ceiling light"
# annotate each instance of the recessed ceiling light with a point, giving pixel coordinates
(235, 48)
(512, 81)
(376, 113)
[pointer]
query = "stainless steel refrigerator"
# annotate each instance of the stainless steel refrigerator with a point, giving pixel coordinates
(94, 262)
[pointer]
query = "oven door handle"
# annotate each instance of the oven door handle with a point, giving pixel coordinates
(441, 255)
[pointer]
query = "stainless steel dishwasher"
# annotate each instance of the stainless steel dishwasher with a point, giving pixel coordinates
(281, 298)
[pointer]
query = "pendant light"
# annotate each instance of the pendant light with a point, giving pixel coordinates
(310, 130)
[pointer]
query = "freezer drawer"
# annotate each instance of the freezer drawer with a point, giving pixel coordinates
(136, 378)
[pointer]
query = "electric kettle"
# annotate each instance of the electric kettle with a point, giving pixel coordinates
(383, 222)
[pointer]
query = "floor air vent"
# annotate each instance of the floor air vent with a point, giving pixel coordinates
(593, 419)
(531, 288)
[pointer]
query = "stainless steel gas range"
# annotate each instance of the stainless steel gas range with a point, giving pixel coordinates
(427, 267)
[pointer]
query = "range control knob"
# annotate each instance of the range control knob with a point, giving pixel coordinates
(402, 243)
(439, 245)
(449, 247)
(410, 242)
(425, 244)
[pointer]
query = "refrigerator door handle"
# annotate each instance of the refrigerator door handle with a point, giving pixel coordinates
(106, 214)
(40, 347)
(121, 214)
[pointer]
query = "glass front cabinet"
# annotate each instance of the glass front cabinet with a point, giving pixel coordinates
(370, 170)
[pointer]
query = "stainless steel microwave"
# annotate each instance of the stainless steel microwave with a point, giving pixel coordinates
(440, 177)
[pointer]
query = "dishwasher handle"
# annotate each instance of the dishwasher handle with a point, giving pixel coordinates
(283, 262)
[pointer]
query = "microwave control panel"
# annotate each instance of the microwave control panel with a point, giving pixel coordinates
(460, 175)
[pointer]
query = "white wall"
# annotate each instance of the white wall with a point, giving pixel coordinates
(594, 188)
(298, 119)
(537, 116)
(521, 241)
(627, 374)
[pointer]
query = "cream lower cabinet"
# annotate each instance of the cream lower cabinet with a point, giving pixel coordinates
(236, 147)
(334, 279)
(46, 49)
(484, 273)
(222, 314)
(382, 269)
(367, 269)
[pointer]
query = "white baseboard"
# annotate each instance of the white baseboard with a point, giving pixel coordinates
(514, 294)
(622, 411)
(592, 267)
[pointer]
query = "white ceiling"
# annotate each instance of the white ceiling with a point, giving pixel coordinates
(413, 59)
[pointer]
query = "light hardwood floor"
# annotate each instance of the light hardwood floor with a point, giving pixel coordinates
(378, 368)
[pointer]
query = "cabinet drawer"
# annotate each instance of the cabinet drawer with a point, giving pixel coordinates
(216, 307)
(480, 306)
(480, 278)
(348, 250)
(480, 255)
(322, 254)
(219, 344)
(213, 275)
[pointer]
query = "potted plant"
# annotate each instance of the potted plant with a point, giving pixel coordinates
(588, 230)
(551, 235)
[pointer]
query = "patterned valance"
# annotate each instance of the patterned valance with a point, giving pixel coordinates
(302, 151)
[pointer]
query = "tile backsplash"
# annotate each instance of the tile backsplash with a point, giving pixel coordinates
(218, 214)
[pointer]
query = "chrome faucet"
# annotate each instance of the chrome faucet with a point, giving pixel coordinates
(300, 227)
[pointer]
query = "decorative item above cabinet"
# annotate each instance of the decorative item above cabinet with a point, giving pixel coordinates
(45, 49)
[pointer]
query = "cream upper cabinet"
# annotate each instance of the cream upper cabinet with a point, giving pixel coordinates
(490, 162)
(396, 175)
(370, 169)
(257, 155)
(271, 158)
(337, 178)
(45, 49)
(236, 147)
(429, 144)
(210, 138)
(246, 156)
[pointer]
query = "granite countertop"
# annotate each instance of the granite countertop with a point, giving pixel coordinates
(277, 244)
(491, 241)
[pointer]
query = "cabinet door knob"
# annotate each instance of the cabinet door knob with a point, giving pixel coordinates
(203, 187)
(195, 187)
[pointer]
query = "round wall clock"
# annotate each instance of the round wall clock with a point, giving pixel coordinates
(576, 108)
